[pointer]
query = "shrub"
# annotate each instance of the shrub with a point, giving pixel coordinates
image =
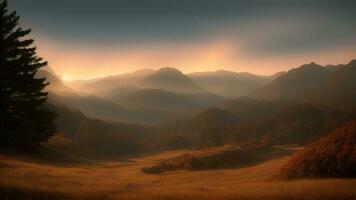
(331, 156)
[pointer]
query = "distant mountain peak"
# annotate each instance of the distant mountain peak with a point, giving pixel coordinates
(329, 85)
(171, 79)
(169, 70)
(55, 82)
(223, 71)
(311, 65)
(352, 62)
(142, 71)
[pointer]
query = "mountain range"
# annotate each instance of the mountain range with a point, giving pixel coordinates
(230, 84)
(333, 86)
(152, 96)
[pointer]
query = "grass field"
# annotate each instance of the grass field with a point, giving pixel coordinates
(122, 178)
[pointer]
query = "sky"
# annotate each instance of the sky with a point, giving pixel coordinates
(83, 39)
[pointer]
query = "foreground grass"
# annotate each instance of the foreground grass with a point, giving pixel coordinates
(28, 179)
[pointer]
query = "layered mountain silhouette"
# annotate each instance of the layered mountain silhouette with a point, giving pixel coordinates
(128, 103)
(299, 83)
(296, 124)
(334, 86)
(340, 89)
(230, 84)
(171, 79)
(255, 109)
(109, 83)
(162, 99)
(150, 96)
(163, 89)
(96, 107)
(56, 84)
(98, 135)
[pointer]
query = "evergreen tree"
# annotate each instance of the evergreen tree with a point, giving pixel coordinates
(24, 118)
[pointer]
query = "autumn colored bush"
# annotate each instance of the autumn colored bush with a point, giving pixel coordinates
(209, 160)
(332, 156)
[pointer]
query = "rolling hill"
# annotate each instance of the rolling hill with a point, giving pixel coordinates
(96, 107)
(127, 103)
(255, 109)
(300, 83)
(98, 135)
(165, 89)
(229, 84)
(205, 129)
(56, 84)
(333, 86)
(297, 124)
(340, 89)
(171, 79)
(100, 85)
(163, 100)
(332, 156)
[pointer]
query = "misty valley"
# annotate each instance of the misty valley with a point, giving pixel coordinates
(165, 133)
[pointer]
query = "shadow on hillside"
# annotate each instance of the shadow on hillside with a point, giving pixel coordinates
(64, 156)
(15, 193)
(227, 159)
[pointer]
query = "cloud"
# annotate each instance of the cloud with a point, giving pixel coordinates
(114, 36)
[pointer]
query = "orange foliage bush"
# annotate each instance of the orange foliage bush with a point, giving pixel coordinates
(213, 160)
(332, 156)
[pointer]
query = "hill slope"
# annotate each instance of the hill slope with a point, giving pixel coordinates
(171, 79)
(333, 86)
(96, 107)
(299, 83)
(331, 156)
(100, 136)
(55, 83)
(101, 85)
(297, 124)
(340, 89)
(229, 84)
(164, 100)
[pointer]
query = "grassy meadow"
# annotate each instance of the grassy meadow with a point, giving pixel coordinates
(122, 178)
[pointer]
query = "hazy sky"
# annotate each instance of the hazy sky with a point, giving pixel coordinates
(85, 38)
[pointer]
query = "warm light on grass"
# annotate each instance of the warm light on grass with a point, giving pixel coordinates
(22, 178)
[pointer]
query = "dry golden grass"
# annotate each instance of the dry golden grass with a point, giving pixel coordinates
(123, 179)
(216, 158)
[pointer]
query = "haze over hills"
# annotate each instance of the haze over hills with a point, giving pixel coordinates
(340, 89)
(298, 83)
(296, 124)
(221, 82)
(163, 89)
(171, 79)
(98, 135)
(103, 84)
(149, 96)
(166, 100)
(230, 84)
(333, 86)
(97, 107)
(129, 103)
(187, 129)
(55, 83)
(126, 119)
(255, 109)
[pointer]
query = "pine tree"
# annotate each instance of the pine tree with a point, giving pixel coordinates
(24, 118)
